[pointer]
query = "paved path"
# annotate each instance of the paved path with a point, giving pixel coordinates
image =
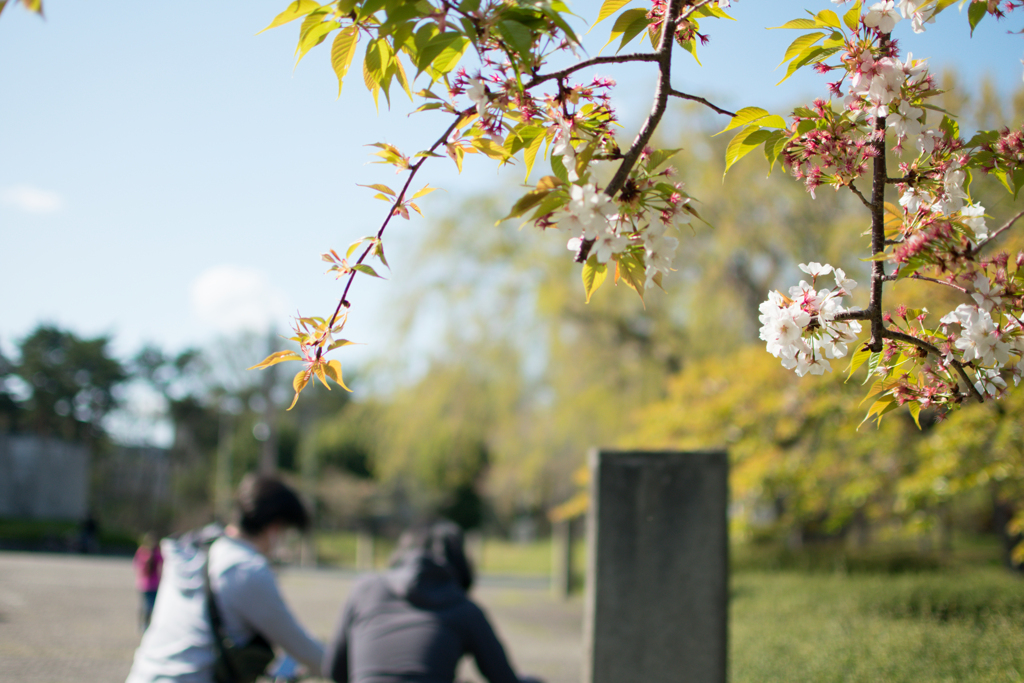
(72, 619)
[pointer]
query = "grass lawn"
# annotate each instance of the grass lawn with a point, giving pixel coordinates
(966, 625)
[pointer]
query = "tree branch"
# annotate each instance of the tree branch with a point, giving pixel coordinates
(877, 207)
(661, 91)
(694, 98)
(857, 314)
(896, 335)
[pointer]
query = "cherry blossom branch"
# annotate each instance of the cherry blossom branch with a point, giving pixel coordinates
(675, 93)
(391, 214)
(878, 234)
(1003, 228)
(661, 91)
(930, 348)
(613, 59)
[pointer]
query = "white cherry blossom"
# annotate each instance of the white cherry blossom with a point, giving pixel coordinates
(477, 93)
(883, 16)
(973, 216)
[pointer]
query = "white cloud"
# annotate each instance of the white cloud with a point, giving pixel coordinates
(31, 199)
(234, 299)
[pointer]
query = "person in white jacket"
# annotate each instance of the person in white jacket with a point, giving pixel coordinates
(179, 644)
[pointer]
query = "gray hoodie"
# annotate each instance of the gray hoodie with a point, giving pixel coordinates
(178, 645)
(413, 623)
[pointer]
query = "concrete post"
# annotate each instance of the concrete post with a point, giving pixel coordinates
(365, 561)
(561, 559)
(657, 568)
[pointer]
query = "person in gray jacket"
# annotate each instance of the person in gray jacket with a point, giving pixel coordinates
(414, 622)
(179, 643)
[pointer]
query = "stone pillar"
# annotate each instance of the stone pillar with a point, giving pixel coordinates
(561, 559)
(657, 568)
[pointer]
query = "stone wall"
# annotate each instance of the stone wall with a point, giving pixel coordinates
(43, 478)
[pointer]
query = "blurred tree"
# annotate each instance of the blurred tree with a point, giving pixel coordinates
(10, 409)
(72, 383)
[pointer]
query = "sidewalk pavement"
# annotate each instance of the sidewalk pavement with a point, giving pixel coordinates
(73, 618)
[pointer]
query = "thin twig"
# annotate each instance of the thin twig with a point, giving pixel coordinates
(895, 335)
(892, 278)
(863, 199)
(1003, 228)
(391, 214)
(675, 93)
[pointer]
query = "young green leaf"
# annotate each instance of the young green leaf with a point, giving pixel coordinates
(975, 13)
(594, 274)
(799, 45)
(275, 358)
(797, 23)
(609, 8)
(368, 270)
(299, 8)
(427, 189)
(333, 370)
(743, 117)
(852, 17)
(743, 143)
(342, 51)
(299, 383)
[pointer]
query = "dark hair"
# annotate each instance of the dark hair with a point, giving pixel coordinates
(263, 500)
(443, 543)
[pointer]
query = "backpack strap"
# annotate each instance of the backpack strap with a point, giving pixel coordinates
(220, 638)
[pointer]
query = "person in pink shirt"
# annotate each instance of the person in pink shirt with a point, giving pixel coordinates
(148, 564)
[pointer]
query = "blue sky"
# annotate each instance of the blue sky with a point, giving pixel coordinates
(167, 177)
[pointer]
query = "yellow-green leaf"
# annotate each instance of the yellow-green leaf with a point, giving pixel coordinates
(333, 370)
(800, 44)
(299, 8)
(797, 23)
(427, 189)
(629, 25)
(525, 203)
(342, 51)
(490, 148)
(743, 143)
(275, 358)
(368, 270)
(858, 359)
(852, 17)
(827, 17)
(299, 383)
(549, 182)
(530, 153)
(745, 116)
(594, 274)
(609, 8)
(631, 271)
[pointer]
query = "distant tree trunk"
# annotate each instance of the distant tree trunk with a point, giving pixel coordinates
(860, 530)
